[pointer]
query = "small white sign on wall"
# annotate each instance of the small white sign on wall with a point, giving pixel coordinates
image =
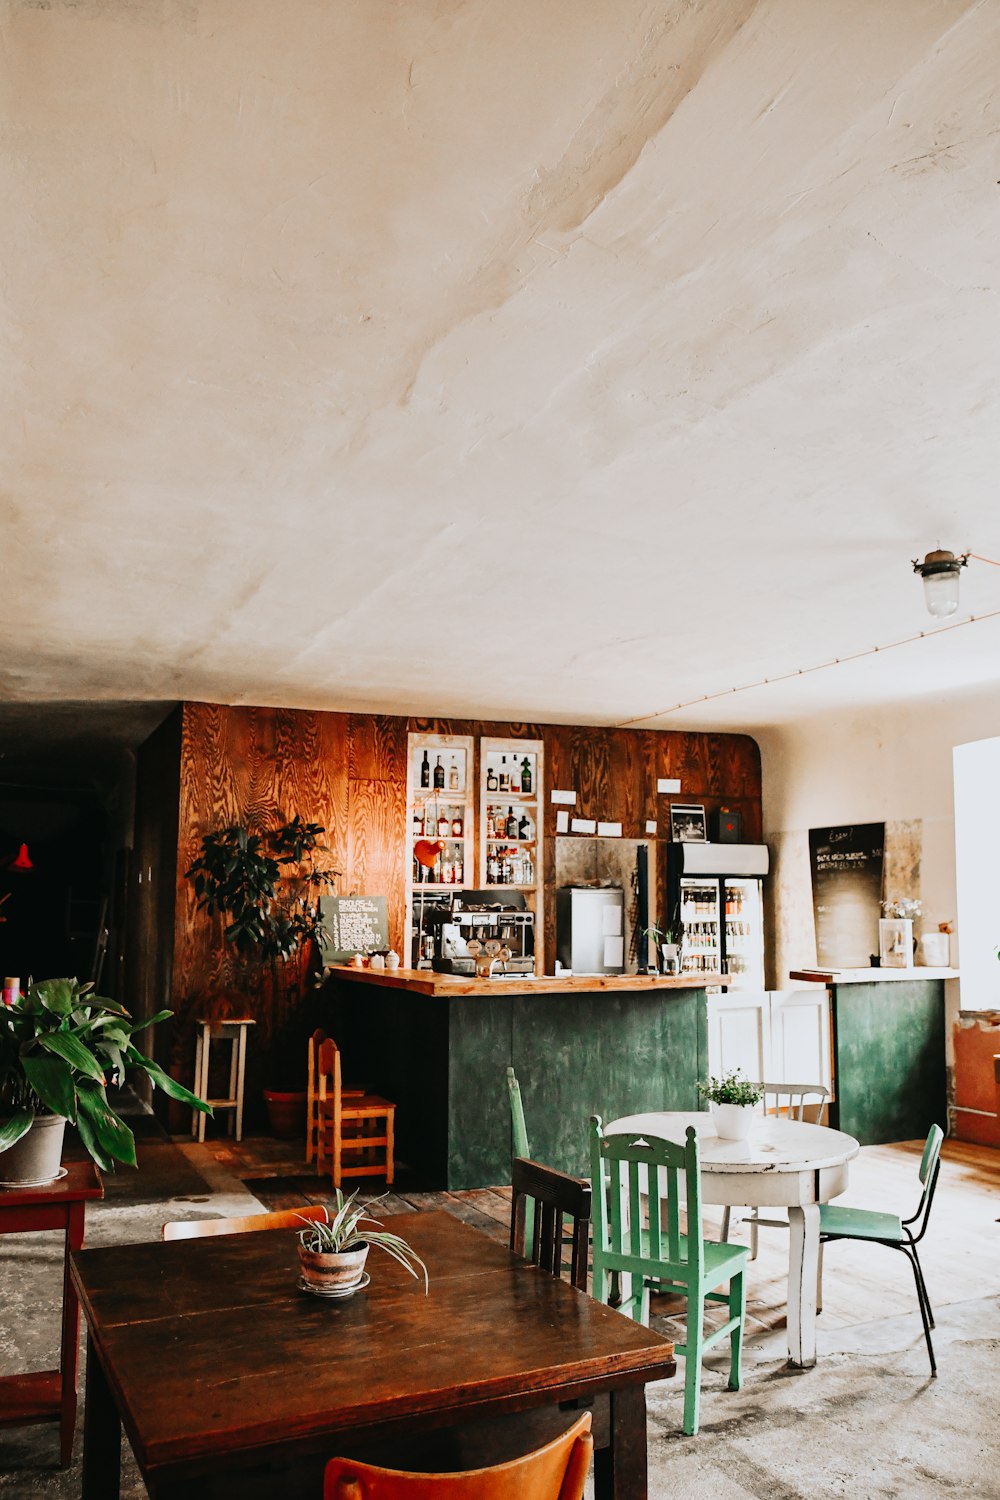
(668, 784)
(650, 825)
(583, 825)
(562, 822)
(568, 799)
(609, 830)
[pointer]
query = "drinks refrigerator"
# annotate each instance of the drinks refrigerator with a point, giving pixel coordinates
(716, 899)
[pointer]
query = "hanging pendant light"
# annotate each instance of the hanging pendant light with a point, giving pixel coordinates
(940, 572)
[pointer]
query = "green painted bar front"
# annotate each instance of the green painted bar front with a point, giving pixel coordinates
(443, 1062)
(889, 1059)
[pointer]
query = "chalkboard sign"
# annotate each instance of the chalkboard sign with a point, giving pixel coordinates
(847, 892)
(356, 924)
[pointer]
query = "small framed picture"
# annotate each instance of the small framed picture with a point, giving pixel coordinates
(687, 823)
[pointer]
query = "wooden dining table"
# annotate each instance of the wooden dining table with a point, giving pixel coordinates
(786, 1164)
(229, 1379)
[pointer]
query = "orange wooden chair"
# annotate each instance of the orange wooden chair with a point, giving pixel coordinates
(356, 1130)
(555, 1472)
(312, 1095)
(286, 1218)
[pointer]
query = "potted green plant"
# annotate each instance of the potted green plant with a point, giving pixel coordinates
(60, 1047)
(268, 889)
(732, 1100)
(666, 945)
(332, 1256)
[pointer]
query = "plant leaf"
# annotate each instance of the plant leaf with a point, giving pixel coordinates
(100, 1127)
(52, 1080)
(19, 1124)
(170, 1086)
(65, 1044)
(56, 995)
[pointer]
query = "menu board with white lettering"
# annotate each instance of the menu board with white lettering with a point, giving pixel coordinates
(847, 892)
(356, 924)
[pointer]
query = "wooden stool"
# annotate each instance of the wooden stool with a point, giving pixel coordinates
(234, 1032)
(351, 1126)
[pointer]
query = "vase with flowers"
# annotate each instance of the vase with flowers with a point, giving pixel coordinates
(895, 932)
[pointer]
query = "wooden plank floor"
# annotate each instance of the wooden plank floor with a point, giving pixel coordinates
(862, 1283)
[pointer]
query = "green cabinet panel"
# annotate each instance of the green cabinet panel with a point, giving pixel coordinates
(443, 1062)
(889, 1059)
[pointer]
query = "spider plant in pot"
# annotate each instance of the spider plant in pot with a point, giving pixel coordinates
(332, 1256)
(732, 1100)
(60, 1046)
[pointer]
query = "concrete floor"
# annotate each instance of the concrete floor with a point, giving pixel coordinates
(866, 1422)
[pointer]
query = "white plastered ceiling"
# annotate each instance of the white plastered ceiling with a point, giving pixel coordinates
(552, 359)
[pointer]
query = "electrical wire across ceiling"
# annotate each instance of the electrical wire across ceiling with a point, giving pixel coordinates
(836, 661)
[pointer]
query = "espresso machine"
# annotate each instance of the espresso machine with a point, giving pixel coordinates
(479, 926)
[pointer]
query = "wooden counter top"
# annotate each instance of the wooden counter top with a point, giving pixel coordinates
(445, 986)
(874, 975)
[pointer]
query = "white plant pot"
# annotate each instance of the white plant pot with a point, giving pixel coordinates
(733, 1122)
(33, 1161)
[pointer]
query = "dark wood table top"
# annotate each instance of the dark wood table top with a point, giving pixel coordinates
(209, 1346)
(82, 1181)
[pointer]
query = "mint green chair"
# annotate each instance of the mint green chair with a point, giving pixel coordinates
(626, 1169)
(837, 1223)
(517, 1125)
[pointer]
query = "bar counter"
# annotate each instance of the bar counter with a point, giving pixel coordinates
(888, 1050)
(438, 1045)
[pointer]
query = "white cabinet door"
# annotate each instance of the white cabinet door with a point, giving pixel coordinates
(800, 1036)
(739, 1035)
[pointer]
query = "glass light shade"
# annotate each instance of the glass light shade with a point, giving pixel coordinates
(941, 593)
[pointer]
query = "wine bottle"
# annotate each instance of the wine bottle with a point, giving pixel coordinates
(510, 830)
(504, 775)
(425, 771)
(525, 775)
(439, 775)
(453, 776)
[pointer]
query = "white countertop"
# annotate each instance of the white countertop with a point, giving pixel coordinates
(871, 975)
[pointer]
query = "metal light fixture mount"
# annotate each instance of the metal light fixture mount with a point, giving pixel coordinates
(940, 572)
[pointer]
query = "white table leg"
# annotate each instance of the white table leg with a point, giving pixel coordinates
(803, 1258)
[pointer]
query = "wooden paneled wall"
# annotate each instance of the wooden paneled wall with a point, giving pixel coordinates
(348, 771)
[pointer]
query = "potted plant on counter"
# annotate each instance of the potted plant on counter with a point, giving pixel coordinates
(732, 1100)
(60, 1047)
(332, 1256)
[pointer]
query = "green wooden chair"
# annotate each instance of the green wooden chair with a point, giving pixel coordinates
(841, 1223)
(624, 1169)
(517, 1124)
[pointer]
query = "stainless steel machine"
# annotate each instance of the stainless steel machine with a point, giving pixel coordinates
(590, 929)
(481, 917)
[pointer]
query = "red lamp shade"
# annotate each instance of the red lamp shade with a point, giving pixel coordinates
(22, 862)
(427, 852)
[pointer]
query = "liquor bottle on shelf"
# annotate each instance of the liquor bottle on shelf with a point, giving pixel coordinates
(418, 823)
(458, 869)
(510, 828)
(492, 779)
(504, 775)
(425, 770)
(527, 869)
(525, 775)
(438, 775)
(524, 828)
(453, 775)
(456, 826)
(444, 826)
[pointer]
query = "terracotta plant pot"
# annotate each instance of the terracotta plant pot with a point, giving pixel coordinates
(733, 1122)
(286, 1112)
(34, 1159)
(333, 1270)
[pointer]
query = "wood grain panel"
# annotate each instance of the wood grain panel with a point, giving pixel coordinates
(377, 747)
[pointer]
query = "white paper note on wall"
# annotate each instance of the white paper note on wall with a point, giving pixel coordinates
(609, 830)
(650, 825)
(583, 825)
(668, 784)
(611, 920)
(614, 952)
(562, 822)
(568, 798)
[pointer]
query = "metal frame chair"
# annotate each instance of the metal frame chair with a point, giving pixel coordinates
(842, 1223)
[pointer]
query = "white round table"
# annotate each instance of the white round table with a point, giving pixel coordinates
(784, 1164)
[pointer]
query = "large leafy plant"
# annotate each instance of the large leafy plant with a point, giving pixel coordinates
(732, 1088)
(349, 1229)
(60, 1047)
(269, 911)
